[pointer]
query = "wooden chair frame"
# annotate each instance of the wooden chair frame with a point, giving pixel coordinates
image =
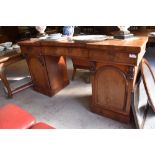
(4, 62)
(143, 63)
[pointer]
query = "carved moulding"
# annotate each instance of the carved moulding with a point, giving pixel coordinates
(92, 67)
(130, 73)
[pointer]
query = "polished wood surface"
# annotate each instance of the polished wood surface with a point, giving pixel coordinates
(49, 73)
(113, 65)
(5, 61)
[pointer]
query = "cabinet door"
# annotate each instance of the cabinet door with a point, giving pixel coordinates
(111, 88)
(38, 70)
(111, 92)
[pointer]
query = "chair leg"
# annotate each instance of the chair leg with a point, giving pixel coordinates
(6, 84)
(22, 87)
(74, 72)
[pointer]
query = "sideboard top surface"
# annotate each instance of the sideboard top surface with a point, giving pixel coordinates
(135, 44)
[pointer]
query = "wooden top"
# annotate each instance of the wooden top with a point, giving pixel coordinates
(134, 45)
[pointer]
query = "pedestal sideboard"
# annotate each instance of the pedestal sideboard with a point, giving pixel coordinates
(113, 66)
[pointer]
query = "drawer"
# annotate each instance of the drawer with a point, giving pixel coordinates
(78, 52)
(111, 56)
(55, 51)
(31, 50)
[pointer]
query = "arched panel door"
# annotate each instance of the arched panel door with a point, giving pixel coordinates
(111, 88)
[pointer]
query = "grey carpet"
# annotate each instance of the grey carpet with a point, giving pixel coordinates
(69, 109)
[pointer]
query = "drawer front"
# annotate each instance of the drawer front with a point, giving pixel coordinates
(72, 52)
(111, 56)
(78, 52)
(31, 51)
(55, 51)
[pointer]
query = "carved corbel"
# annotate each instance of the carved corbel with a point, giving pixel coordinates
(130, 73)
(41, 59)
(92, 67)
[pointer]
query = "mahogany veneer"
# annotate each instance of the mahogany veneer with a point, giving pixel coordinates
(113, 65)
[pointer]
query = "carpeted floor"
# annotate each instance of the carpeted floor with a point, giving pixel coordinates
(69, 109)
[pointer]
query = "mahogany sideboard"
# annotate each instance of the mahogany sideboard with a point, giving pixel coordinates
(113, 65)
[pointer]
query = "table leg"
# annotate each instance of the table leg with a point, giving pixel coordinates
(6, 83)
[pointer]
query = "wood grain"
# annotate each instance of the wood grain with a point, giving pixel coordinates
(113, 65)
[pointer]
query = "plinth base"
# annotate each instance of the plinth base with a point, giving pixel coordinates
(123, 36)
(40, 35)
